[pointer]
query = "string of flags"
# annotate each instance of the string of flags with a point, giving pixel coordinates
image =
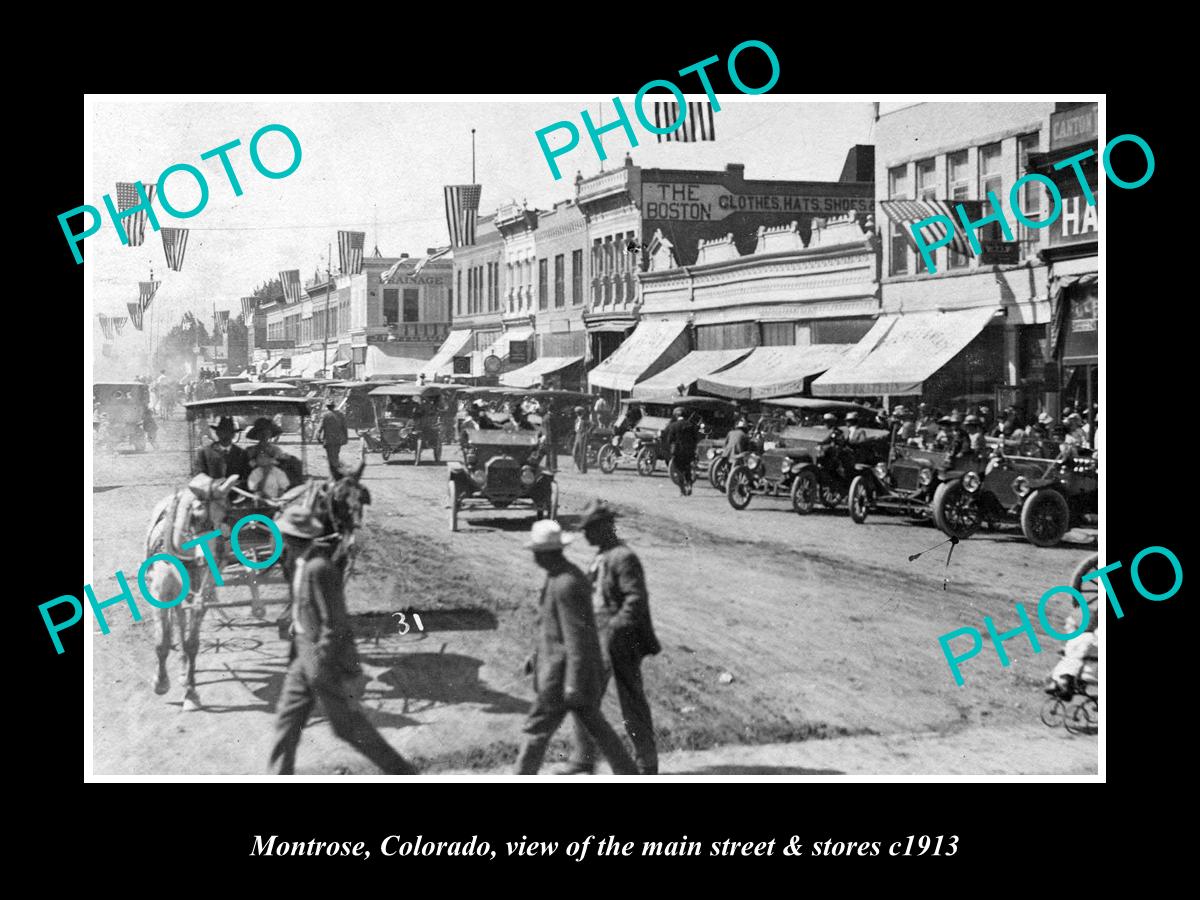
(135, 314)
(111, 325)
(174, 246)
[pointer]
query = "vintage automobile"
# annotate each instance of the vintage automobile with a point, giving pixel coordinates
(1045, 496)
(907, 480)
(352, 399)
(806, 463)
(788, 412)
(499, 469)
(119, 413)
(290, 423)
(223, 384)
(639, 428)
(411, 417)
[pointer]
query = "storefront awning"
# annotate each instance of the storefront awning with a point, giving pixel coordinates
(381, 362)
(532, 374)
(652, 347)
(901, 351)
(773, 371)
(687, 371)
(443, 361)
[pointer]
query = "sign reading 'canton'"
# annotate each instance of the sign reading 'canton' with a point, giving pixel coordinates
(709, 202)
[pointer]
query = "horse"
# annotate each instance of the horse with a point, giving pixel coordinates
(337, 502)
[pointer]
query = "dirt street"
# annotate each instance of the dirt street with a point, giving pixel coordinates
(776, 629)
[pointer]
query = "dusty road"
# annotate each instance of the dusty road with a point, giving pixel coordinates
(826, 628)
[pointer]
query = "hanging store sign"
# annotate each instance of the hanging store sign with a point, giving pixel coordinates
(676, 202)
(998, 253)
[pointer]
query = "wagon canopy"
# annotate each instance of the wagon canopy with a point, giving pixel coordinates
(246, 407)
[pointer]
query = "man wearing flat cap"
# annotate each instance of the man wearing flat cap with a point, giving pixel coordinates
(622, 607)
(223, 457)
(324, 661)
(567, 667)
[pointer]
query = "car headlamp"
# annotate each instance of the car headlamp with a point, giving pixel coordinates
(528, 476)
(971, 481)
(616, 440)
(1020, 485)
(786, 466)
(925, 476)
(881, 471)
(751, 461)
(712, 453)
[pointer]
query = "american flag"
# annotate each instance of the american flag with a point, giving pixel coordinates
(907, 213)
(117, 323)
(106, 327)
(696, 126)
(127, 198)
(291, 285)
(350, 251)
(248, 304)
(174, 246)
(146, 292)
(222, 321)
(462, 209)
(135, 314)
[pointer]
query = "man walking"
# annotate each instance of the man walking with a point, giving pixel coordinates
(324, 661)
(332, 433)
(567, 667)
(550, 432)
(681, 438)
(627, 635)
(583, 430)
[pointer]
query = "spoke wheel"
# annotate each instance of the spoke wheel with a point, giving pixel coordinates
(1044, 517)
(607, 458)
(804, 491)
(718, 472)
(1054, 712)
(955, 511)
(738, 488)
(646, 460)
(1085, 719)
(859, 499)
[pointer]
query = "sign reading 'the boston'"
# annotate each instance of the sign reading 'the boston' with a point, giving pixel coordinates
(709, 202)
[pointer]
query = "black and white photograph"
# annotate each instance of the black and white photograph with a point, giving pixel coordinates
(705, 436)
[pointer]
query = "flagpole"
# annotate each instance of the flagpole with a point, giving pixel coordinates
(328, 294)
(472, 156)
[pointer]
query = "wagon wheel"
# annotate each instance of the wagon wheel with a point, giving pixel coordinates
(453, 488)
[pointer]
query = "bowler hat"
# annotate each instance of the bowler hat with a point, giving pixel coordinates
(547, 534)
(225, 426)
(596, 511)
(298, 521)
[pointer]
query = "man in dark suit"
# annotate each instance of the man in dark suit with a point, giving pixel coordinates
(324, 662)
(567, 666)
(681, 438)
(223, 457)
(623, 609)
(332, 433)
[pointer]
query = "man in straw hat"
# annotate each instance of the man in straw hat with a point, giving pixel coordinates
(324, 661)
(622, 607)
(567, 667)
(223, 457)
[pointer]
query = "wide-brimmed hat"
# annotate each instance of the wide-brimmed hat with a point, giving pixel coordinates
(1045, 419)
(579, 409)
(596, 511)
(972, 420)
(547, 534)
(829, 417)
(900, 410)
(1074, 417)
(263, 428)
(225, 425)
(298, 521)
(851, 417)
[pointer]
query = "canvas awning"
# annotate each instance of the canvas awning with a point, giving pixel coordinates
(901, 351)
(532, 374)
(443, 361)
(382, 362)
(688, 371)
(773, 371)
(652, 347)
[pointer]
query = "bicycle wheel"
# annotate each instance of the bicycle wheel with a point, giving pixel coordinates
(1054, 712)
(1085, 719)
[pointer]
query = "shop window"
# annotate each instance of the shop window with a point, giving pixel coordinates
(839, 331)
(412, 305)
(391, 305)
(778, 334)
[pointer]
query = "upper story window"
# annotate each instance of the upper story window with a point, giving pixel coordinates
(991, 178)
(897, 242)
(958, 187)
(1031, 196)
(926, 190)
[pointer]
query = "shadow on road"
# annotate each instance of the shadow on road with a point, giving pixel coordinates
(756, 770)
(440, 678)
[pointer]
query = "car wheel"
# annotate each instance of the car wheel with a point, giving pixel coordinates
(737, 488)
(859, 499)
(607, 459)
(1044, 517)
(955, 511)
(453, 505)
(718, 472)
(646, 460)
(804, 491)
